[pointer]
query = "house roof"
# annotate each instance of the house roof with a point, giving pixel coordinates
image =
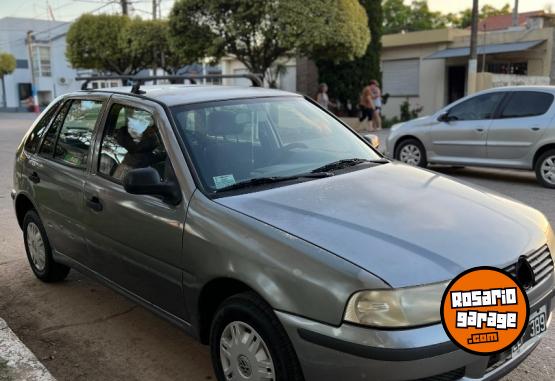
(486, 49)
(500, 22)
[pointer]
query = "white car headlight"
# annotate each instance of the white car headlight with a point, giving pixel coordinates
(551, 239)
(397, 308)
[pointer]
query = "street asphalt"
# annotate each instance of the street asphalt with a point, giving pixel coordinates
(81, 330)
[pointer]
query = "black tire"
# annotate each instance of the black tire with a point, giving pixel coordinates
(422, 162)
(52, 271)
(548, 155)
(250, 309)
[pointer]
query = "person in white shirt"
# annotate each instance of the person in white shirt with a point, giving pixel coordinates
(322, 96)
(377, 99)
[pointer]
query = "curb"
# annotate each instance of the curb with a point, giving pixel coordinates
(17, 362)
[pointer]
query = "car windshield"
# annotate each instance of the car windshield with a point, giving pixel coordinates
(232, 142)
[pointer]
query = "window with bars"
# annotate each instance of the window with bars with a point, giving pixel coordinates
(41, 61)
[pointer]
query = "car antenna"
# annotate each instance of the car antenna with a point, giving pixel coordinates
(136, 88)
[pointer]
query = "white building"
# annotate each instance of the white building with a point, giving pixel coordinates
(53, 73)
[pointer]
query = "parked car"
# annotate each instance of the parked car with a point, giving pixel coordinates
(506, 127)
(268, 229)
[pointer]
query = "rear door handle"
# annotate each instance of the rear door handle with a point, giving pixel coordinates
(535, 128)
(94, 203)
(480, 129)
(34, 177)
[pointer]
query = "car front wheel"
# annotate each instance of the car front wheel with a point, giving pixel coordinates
(247, 342)
(411, 152)
(39, 251)
(545, 169)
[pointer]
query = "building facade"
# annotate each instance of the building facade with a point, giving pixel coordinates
(53, 74)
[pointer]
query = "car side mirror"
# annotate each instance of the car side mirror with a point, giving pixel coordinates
(147, 181)
(444, 117)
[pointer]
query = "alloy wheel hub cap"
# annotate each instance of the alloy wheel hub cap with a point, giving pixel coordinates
(548, 169)
(244, 355)
(410, 154)
(36, 247)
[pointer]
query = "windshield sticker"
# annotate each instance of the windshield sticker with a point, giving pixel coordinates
(223, 181)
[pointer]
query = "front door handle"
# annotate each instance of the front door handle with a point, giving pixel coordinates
(34, 177)
(95, 204)
(535, 128)
(480, 129)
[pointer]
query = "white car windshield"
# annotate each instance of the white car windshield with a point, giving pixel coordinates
(234, 142)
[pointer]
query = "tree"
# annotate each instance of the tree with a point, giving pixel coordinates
(346, 80)
(463, 19)
(7, 66)
(417, 16)
(258, 33)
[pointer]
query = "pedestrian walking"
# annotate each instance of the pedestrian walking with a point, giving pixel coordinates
(322, 96)
(377, 99)
(366, 106)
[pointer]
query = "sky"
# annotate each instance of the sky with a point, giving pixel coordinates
(67, 10)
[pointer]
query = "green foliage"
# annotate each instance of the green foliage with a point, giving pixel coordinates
(260, 32)
(400, 17)
(464, 18)
(118, 44)
(408, 113)
(346, 80)
(7, 64)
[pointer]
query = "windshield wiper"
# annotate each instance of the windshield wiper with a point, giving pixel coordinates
(274, 179)
(340, 164)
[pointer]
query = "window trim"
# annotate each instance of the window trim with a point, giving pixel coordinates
(70, 99)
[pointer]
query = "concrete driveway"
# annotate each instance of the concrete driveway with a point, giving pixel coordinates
(83, 331)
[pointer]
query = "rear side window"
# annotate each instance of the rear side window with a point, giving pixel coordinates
(522, 104)
(476, 108)
(47, 148)
(131, 140)
(76, 133)
(36, 135)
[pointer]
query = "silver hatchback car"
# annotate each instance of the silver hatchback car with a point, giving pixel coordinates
(508, 127)
(268, 229)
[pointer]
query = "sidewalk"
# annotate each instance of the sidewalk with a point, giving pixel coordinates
(17, 362)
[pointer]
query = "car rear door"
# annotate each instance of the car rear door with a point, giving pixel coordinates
(135, 240)
(520, 124)
(461, 136)
(57, 173)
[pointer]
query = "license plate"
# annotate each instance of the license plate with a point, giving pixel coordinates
(537, 324)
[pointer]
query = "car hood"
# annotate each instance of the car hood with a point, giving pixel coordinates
(406, 225)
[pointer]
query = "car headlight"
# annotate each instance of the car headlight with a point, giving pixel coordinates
(397, 308)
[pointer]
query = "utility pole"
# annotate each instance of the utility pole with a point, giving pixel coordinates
(124, 10)
(154, 11)
(515, 14)
(154, 66)
(32, 65)
(472, 61)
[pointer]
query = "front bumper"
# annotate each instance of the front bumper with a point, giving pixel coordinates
(350, 352)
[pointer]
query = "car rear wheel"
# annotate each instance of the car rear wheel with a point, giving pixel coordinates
(545, 169)
(411, 152)
(247, 342)
(39, 252)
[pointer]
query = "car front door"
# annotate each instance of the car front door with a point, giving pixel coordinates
(521, 123)
(460, 135)
(135, 240)
(58, 174)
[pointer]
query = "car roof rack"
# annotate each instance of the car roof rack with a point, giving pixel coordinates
(138, 81)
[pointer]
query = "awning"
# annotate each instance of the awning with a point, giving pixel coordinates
(486, 49)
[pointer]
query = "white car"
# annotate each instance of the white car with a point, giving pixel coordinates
(508, 127)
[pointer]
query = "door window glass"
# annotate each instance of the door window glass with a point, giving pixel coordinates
(47, 148)
(77, 129)
(131, 140)
(476, 108)
(36, 135)
(527, 103)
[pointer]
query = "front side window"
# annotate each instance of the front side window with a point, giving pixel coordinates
(522, 104)
(476, 108)
(76, 133)
(241, 140)
(131, 140)
(36, 135)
